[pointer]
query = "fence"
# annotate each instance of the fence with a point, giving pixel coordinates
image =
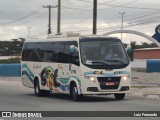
(10, 70)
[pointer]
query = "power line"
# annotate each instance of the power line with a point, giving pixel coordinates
(144, 22)
(113, 7)
(151, 18)
(30, 20)
(104, 4)
(132, 7)
(38, 34)
(139, 17)
(30, 14)
(43, 28)
(119, 5)
(122, 6)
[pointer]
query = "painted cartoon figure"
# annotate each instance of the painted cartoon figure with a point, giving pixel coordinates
(47, 77)
(55, 83)
(43, 76)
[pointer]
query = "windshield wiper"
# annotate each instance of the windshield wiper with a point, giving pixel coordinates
(112, 60)
(99, 62)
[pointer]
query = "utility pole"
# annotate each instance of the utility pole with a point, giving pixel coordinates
(122, 13)
(94, 17)
(49, 23)
(29, 31)
(59, 17)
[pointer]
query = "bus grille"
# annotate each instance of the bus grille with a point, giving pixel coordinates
(103, 80)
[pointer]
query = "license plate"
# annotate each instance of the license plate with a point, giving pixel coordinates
(110, 83)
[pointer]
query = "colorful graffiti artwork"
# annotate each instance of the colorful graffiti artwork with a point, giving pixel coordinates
(49, 77)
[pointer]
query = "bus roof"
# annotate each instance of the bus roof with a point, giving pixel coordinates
(67, 38)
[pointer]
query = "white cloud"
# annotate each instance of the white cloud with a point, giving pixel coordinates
(73, 18)
(0, 30)
(119, 35)
(5, 37)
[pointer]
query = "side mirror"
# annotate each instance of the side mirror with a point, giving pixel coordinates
(128, 48)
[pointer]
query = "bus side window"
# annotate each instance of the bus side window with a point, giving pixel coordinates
(75, 59)
(25, 52)
(24, 55)
(47, 56)
(69, 57)
(58, 53)
(75, 55)
(59, 57)
(52, 52)
(35, 56)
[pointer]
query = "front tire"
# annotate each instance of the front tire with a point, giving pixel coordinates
(74, 93)
(119, 96)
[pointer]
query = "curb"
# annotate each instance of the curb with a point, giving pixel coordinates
(10, 78)
(150, 96)
(147, 92)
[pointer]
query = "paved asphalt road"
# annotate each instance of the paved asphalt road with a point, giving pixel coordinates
(15, 97)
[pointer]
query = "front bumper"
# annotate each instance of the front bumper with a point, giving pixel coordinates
(95, 91)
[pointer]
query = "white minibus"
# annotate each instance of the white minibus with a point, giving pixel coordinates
(84, 65)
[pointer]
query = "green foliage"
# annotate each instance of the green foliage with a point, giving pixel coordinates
(134, 45)
(10, 60)
(10, 48)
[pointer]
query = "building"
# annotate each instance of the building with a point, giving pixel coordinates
(146, 53)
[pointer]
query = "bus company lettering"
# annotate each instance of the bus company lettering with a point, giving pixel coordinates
(118, 72)
(98, 72)
(36, 66)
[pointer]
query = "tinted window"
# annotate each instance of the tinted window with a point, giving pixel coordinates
(32, 52)
(53, 51)
(69, 57)
(58, 52)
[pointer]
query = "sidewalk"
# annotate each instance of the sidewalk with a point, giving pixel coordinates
(152, 93)
(10, 78)
(144, 84)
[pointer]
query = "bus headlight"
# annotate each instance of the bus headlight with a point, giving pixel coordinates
(124, 78)
(91, 78)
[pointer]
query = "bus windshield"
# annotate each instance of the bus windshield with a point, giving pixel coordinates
(103, 53)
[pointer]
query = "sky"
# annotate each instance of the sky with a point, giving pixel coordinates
(77, 16)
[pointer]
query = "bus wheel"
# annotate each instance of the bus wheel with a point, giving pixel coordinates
(119, 96)
(74, 93)
(39, 92)
(37, 88)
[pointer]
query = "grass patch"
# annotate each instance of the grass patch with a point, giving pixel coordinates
(10, 60)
